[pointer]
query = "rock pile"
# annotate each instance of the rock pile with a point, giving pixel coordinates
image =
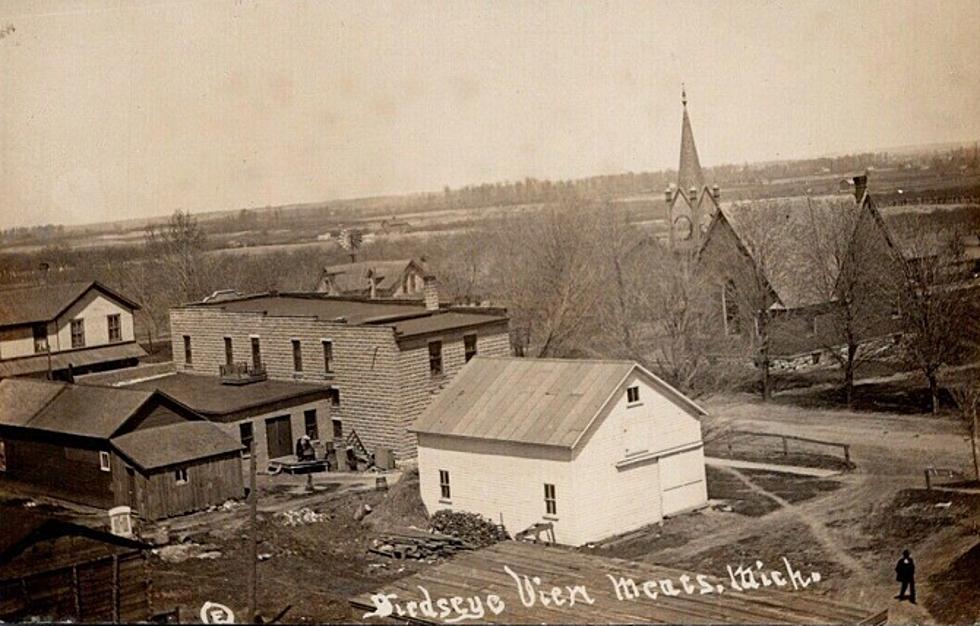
(298, 517)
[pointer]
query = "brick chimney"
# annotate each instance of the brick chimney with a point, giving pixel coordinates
(431, 291)
(668, 195)
(860, 185)
(716, 193)
(694, 195)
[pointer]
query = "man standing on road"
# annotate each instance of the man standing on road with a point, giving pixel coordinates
(905, 574)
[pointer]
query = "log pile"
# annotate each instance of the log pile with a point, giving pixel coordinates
(417, 545)
(472, 528)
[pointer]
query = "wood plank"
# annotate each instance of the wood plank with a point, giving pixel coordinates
(481, 573)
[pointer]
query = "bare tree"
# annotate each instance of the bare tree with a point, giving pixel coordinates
(934, 302)
(548, 271)
(967, 398)
(745, 270)
(179, 245)
(847, 262)
(662, 314)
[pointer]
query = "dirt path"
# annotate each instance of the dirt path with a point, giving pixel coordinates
(891, 452)
(817, 529)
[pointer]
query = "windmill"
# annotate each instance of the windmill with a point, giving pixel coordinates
(350, 240)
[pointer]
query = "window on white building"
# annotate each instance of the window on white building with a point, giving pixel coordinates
(444, 484)
(115, 327)
(40, 337)
(180, 475)
(550, 504)
(78, 333)
(104, 464)
(633, 394)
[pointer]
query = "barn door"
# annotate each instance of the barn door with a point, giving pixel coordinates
(97, 592)
(279, 436)
(682, 481)
(131, 490)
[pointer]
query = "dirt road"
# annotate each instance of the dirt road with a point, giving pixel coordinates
(854, 526)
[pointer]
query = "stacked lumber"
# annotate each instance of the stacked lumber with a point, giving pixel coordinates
(417, 545)
(472, 528)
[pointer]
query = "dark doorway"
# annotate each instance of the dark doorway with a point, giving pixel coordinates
(279, 436)
(131, 488)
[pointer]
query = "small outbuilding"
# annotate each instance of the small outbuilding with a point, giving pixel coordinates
(272, 413)
(587, 449)
(105, 447)
(52, 570)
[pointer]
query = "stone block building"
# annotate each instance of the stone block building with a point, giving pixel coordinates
(384, 360)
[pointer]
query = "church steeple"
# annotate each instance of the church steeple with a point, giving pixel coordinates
(689, 171)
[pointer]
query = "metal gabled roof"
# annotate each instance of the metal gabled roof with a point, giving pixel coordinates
(550, 402)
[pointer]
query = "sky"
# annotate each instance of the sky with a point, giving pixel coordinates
(114, 110)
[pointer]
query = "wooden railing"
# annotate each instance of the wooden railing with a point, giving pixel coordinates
(728, 434)
(241, 373)
(940, 472)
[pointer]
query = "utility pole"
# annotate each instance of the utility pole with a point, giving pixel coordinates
(253, 551)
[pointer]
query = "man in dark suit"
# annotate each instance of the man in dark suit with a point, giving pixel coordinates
(905, 574)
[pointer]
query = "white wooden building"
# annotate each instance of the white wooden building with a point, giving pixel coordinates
(596, 448)
(68, 327)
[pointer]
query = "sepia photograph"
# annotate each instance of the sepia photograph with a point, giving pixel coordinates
(490, 312)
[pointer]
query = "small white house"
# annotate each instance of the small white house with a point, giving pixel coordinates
(596, 448)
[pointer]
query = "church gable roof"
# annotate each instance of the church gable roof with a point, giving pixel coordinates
(777, 235)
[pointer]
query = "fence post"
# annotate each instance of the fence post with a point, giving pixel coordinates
(928, 484)
(785, 447)
(847, 453)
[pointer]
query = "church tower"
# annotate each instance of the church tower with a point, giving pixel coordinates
(690, 204)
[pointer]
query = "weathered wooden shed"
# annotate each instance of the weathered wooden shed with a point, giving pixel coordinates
(53, 570)
(178, 468)
(69, 442)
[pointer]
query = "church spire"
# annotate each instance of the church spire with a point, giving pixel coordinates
(689, 171)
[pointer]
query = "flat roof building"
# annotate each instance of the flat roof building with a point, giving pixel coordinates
(382, 360)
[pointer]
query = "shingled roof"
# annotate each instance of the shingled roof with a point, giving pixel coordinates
(43, 303)
(353, 277)
(778, 235)
(550, 402)
(69, 409)
(173, 444)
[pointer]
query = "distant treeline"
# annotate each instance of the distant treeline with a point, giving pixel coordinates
(535, 191)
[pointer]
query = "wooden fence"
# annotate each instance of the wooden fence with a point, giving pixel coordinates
(727, 436)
